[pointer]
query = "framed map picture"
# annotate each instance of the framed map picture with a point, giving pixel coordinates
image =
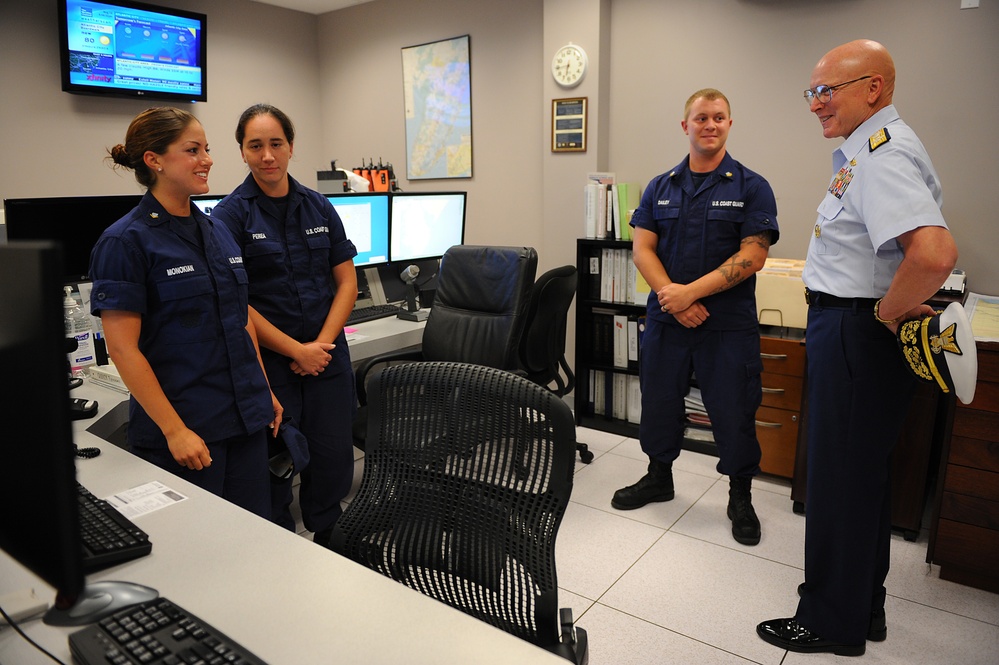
(438, 97)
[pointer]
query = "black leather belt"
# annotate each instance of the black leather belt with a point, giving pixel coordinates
(819, 299)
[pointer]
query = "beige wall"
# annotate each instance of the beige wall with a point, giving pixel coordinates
(54, 142)
(362, 98)
(339, 76)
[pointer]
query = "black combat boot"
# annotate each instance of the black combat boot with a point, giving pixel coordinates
(745, 524)
(656, 485)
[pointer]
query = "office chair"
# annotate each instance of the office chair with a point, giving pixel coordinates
(478, 316)
(467, 474)
(542, 347)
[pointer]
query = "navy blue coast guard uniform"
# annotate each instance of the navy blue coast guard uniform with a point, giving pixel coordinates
(290, 252)
(186, 279)
(699, 227)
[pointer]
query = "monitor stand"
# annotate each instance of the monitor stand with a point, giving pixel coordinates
(96, 601)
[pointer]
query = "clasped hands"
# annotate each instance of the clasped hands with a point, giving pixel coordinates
(313, 358)
(677, 300)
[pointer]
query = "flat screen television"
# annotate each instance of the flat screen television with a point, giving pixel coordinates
(40, 523)
(132, 49)
(365, 218)
(76, 222)
(425, 225)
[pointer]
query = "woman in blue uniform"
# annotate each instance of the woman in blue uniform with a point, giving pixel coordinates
(171, 291)
(302, 288)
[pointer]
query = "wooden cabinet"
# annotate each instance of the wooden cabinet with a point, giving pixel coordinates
(964, 535)
(779, 416)
(782, 351)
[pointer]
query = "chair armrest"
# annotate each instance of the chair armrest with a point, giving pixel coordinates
(366, 365)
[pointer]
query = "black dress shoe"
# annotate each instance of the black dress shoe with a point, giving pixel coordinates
(877, 631)
(789, 634)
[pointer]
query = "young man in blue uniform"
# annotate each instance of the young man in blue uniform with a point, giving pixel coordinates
(879, 249)
(702, 231)
(170, 288)
(302, 288)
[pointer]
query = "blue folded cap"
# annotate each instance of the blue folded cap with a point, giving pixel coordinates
(289, 452)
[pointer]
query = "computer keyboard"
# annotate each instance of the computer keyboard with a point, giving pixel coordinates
(372, 312)
(156, 631)
(108, 536)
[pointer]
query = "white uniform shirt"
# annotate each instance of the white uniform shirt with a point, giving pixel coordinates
(883, 185)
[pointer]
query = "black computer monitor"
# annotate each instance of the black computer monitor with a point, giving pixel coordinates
(365, 218)
(40, 524)
(76, 222)
(425, 225)
(206, 202)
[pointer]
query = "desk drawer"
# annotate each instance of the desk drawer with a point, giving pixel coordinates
(972, 482)
(777, 431)
(782, 356)
(970, 510)
(970, 547)
(782, 391)
(975, 424)
(976, 453)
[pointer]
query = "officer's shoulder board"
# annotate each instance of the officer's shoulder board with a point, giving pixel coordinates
(878, 139)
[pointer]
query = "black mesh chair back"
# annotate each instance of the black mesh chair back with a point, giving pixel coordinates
(480, 308)
(542, 346)
(467, 475)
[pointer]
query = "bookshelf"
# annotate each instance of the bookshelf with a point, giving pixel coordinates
(610, 313)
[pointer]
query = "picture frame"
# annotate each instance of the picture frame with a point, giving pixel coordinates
(569, 124)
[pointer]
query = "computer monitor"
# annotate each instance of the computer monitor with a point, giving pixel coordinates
(76, 222)
(40, 524)
(206, 202)
(425, 225)
(365, 217)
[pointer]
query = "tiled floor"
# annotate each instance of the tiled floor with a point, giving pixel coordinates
(667, 583)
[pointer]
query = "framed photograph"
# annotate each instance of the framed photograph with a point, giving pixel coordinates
(437, 89)
(569, 124)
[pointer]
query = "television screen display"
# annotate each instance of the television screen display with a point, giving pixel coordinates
(365, 218)
(126, 48)
(76, 222)
(425, 225)
(206, 202)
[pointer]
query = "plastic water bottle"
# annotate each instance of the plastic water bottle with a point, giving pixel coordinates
(78, 327)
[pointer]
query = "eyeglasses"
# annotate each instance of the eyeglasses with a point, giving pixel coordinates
(824, 92)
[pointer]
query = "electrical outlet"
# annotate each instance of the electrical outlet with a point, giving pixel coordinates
(969, 4)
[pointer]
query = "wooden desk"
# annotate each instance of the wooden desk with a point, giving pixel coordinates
(286, 599)
(964, 533)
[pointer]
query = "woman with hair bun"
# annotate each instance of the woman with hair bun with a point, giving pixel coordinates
(171, 292)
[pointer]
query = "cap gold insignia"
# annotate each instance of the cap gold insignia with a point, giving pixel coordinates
(879, 138)
(945, 341)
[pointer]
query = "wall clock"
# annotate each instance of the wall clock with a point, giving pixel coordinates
(569, 65)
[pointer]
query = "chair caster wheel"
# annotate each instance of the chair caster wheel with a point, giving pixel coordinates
(585, 455)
